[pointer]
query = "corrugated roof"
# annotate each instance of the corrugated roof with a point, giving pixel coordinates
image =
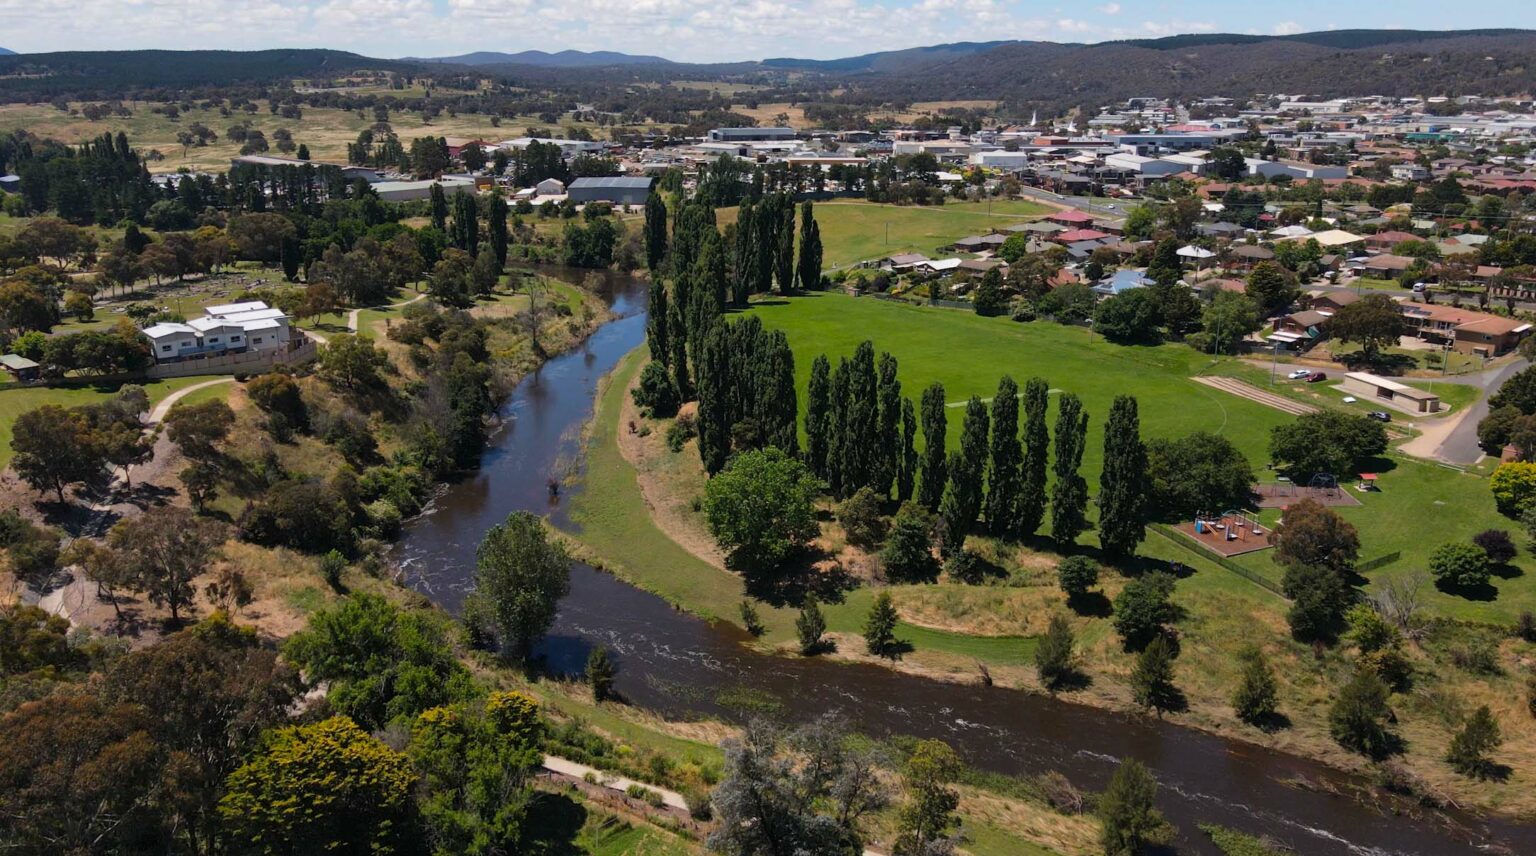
(624, 181)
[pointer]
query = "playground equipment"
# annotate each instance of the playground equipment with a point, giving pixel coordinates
(1229, 525)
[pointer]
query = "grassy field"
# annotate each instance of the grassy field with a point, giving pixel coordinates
(855, 231)
(16, 401)
(968, 354)
(326, 131)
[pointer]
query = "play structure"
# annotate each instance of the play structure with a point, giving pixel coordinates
(1323, 488)
(1230, 533)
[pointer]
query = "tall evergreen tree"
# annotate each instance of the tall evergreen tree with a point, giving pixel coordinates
(657, 321)
(1004, 478)
(837, 417)
(780, 408)
(439, 206)
(887, 440)
(678, 362)
(817, 407)
(860, 421)
(655, 231)
(744, 281)
(1069, 498)
(906, 472)
(714, 403)
(710, 277)
(1123, 483)
(784, 245)
(1032, 483)
(935, 426)
(810, 249)
(466, 223)
(497, 227)
(765, 219)
(967, 475)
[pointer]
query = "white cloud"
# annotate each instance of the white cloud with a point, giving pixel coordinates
(1173, 28)
(1067, 25)
(1110, 9)
(1288, 28)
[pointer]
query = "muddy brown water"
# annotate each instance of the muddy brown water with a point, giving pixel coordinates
(680, 665)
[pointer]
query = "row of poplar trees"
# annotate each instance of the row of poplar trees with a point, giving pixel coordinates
(742, 374)
(861, 433)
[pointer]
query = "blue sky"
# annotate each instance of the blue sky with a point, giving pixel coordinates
(689, 30)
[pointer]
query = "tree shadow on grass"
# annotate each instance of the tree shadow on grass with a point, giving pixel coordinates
(554, 821)
(1074, 680)
(1482, 593)
(1272, 722)
(1506, 571)
(1092, 604)
(789, 584)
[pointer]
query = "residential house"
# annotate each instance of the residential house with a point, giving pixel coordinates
(1245, 256)
(1465, 330)
(1120, 282)
(1299, 331)
(1386, 241)
(1331, 301)
(227, 328)
(1386, 265)
(20, 367)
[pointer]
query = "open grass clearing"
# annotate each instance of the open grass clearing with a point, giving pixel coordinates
(20, 399)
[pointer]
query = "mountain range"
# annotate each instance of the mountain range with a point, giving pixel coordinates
(544, 59)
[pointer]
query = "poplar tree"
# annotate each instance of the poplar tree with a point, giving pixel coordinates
(966, 475)
(439, 206)
(655, 231)
(677, 340)
(714, 414)
(466, 223)
(706, 297)
(860, 421)
(744, 282)
(906, 471)
(1032, 498)
(1003, 483)
(837, 411)
(1123, 482)
(778, 403)
(1069, 499)
(765, 222)
(935, 426)
(810, 249)
(497, 227)
(784, 245)
(656, 324)
(887, 442)
(817, 408)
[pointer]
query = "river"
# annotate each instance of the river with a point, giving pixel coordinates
(680, 665)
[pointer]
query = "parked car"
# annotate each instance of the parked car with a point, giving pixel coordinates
(1316, 377)
(1380, 415)
(1299, 374)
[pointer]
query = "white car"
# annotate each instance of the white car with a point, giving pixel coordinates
(1299, 374)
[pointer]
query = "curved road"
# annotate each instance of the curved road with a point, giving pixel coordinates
(1461, 446)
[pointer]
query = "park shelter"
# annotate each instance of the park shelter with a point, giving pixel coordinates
(1391, 393)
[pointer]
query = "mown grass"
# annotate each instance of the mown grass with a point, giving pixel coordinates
(854, 231)
(19, 400)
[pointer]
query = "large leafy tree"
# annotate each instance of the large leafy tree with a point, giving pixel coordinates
(520, 576)
(1328, 442)
(1271, 287)
(1128, 816)
(1375, 321)
(472, 766)
(164, 550)
(322, 788)
(760, 508)
(923, 824)
(1196, 473)
(1312, 534)
(1227, 321)
(55, 447)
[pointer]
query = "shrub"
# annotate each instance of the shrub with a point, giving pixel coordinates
(1142, 609)
(332, 565)
(908, 552)
(967, 567)
(1077, 575)
(1525, 626)
(656, 394)
(1479, 656)
(681, 431)
(750, 619)
(1254, 698)
(860, 516)
(1458, 565)
(1514, 487)
(1358, 718)
(1497, 544)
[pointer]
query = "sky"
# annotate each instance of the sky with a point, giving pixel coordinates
(689, 30)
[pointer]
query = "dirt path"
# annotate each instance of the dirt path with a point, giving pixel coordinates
(157, 415)
(1254, 394)
(669, 510)
(611, 781)
(352, 316)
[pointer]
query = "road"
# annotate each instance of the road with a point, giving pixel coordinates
(1461, 446)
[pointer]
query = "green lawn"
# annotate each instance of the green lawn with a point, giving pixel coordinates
(969, 353)
(14, 402)
(856, 231)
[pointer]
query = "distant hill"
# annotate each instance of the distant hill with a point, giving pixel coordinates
(889, 61)
(108, 72)
(544, 59)
(7, 52)
(1346, 62)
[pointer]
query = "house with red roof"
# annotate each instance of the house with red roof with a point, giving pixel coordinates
(1071, 219)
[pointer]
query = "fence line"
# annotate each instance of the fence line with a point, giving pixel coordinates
(1379, 561)
(1257, 579)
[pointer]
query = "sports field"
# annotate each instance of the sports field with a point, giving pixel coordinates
(855, 231)
(1420, 505)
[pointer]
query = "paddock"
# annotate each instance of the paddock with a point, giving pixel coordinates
(1231, 533)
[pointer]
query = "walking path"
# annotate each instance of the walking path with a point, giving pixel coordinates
(157, 415)
(611, 781)
(352, 318)
(1253, 393)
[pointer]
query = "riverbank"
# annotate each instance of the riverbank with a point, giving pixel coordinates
(953, 628)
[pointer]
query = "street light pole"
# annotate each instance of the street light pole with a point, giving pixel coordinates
(1274, 364)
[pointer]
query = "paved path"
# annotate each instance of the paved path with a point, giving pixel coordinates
(1253, 393)
(610, 780)
(352, 316)
(157, 415)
